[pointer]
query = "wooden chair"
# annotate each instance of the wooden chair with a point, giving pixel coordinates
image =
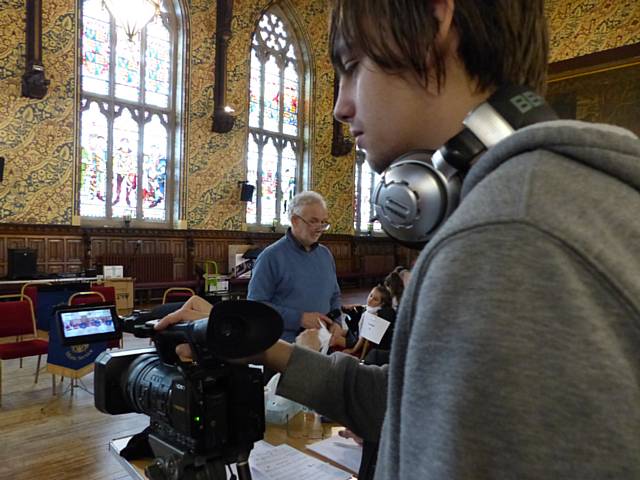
(177, 294)
(17, 319)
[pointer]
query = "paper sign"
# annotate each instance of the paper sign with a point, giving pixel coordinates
(113, 271)
(324, 336)
(373, 327)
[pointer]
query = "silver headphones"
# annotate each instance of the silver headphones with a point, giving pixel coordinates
(420, 189)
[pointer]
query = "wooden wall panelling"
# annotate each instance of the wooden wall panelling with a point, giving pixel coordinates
(74, 250)
(341, 251)
(116, 246)
(16, 242)
(98, 248)
(39, 244)
(53, 260)
(3, 257)
(74, 254)
(55, 250)
(151, 246)
(132, 245)
(164, 245)
(177, 247)
(62, 248)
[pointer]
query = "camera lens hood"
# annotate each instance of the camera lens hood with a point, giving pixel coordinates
(242, 328)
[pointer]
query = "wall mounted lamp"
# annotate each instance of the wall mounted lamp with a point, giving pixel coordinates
(223, 118)
(34, 83)
(246, 191)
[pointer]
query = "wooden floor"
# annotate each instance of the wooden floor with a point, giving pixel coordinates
(64, 437)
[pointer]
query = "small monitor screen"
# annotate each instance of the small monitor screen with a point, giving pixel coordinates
(86, 324)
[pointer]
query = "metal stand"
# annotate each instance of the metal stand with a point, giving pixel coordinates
(74, 383)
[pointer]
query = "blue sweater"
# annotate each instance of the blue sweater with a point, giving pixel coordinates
(294, 281)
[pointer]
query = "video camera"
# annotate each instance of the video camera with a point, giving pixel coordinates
(203, 414)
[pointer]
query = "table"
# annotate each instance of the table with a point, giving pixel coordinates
(274, 434)
(55, 280)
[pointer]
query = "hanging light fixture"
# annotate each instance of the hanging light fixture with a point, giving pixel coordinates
(133, 15)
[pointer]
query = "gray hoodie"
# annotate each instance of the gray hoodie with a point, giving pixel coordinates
(516, 352)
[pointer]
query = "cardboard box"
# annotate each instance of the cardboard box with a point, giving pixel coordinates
(124, 294)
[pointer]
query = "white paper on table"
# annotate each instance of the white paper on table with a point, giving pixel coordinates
(373, 327)
(343, 451)
(259, 448)
(286, 463)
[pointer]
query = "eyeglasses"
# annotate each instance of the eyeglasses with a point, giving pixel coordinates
(315, 224)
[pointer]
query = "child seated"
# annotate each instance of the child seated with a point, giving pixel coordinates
(378, 303)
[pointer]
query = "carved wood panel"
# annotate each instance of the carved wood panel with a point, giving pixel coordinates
(74, 251)
(62, 249)
(178, 247)
(55, 251)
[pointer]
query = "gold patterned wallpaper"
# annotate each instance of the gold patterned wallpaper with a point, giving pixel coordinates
(581, 27)
(37, 136)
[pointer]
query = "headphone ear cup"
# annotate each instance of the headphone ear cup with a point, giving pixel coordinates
(413, 199)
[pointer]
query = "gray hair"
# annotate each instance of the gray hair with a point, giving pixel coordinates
(302, 199)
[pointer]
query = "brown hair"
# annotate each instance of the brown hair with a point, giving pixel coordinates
(394, 283)
(501, 41)
(385, 295)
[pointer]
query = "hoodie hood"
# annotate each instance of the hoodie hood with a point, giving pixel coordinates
(577, 182)
(607, 148)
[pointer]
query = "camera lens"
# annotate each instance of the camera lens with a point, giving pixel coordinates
(148, 385)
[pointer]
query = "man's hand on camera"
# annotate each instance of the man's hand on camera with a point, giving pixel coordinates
(310, 320)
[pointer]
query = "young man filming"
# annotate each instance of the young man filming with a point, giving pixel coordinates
(516, 349)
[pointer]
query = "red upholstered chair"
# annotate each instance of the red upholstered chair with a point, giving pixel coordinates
(18, 321)
(109, 293)
(98, 294)
(177, 294)
(86, 298)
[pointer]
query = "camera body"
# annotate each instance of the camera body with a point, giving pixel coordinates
(203, 414)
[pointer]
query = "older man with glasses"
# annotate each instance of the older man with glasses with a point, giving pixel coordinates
(296, 275)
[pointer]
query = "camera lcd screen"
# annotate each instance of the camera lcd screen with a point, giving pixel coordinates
(88, 324)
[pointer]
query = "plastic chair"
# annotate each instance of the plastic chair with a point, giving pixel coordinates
(17, 319)
(177, 294)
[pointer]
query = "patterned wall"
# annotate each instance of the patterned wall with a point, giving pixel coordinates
(611, 96)
(37, 137)
(580, 27)
(216, 160)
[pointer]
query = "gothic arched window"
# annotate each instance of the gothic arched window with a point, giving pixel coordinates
(128, 117)
(365, 183)
(275, 141)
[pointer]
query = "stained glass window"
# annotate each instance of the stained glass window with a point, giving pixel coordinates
(127, 114)
(366, 181)
(274, 149)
